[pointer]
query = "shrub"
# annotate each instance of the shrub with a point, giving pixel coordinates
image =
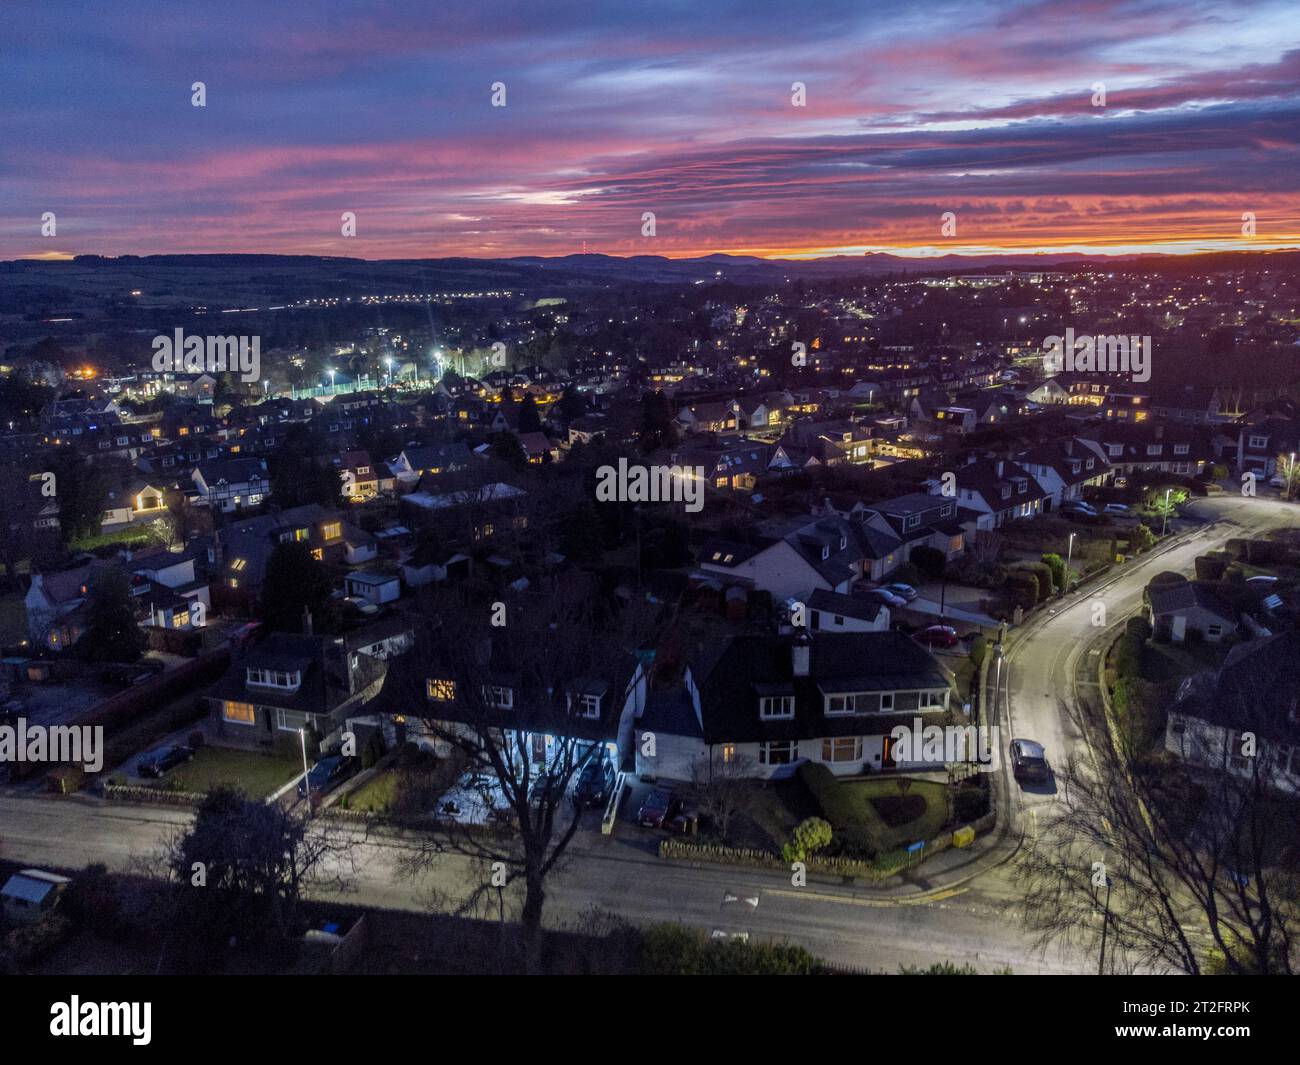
(837, 807)
(1056, 564)
(1043, 575)
(979, 649)
(1022, 588)
(812, 834)
(30, 943)
(1211, 567)
(971, 801)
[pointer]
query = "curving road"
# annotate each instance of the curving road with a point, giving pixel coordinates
(975, 922)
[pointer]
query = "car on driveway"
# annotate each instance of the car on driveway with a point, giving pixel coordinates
(882, 595)
(1118, 510)
(938, 636)
(547, 783)
(1078, 509)
(1029, 762)
(659, 808)
(155, 763)
(904, 591)
(595, 783)
(326, 773)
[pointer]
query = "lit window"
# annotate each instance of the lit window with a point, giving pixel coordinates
(441, 691)
(842, 749)
(242, 713)
(238, 564)
(331, 530)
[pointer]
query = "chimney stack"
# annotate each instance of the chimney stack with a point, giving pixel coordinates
(801, 654)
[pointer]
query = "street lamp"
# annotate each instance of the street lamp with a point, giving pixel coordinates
(332, 383)
(1290, 470)
(389, 364)
(1069, 554)
(1164, 521)
(306, 780)
(1105, 923)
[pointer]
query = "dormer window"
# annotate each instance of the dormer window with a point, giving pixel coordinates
(1006, 493)
(589, 706)
(285, 680)
(776, 707)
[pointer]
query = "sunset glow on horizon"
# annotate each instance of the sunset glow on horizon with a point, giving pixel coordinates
(686, 112)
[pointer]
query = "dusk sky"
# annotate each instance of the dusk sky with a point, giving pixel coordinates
(682, 109)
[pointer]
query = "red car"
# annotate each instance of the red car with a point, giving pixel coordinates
(938, 636)
(659, 809)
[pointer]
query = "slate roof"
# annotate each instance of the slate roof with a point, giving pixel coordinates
(729, 681)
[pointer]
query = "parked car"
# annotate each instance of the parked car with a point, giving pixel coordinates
(1119, 509)
(595, 783)
(1278, 480)
(904, 591)
(1261, 580)
(1078, 507)
(1029, 761)
(552, 783)
(938, 636)
(659, 808)
(155, 763)
(882, 595)
(326, 773)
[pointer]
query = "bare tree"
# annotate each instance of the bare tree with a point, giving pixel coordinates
(242, 867)
(723, 788)
(522, 702)
(1182, 863)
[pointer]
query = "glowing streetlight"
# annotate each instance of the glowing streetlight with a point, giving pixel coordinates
(332, 392)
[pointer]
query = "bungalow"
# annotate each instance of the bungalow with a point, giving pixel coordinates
(832, 612)
(413, 462)
(1175, 610)
(138, 500)
(714, 417)
(821, 554)
(736, 465)
(763, 704)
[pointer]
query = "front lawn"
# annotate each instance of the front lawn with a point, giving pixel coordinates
(375, 796)
(254, 773)
(867, 816)
(899, 810)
